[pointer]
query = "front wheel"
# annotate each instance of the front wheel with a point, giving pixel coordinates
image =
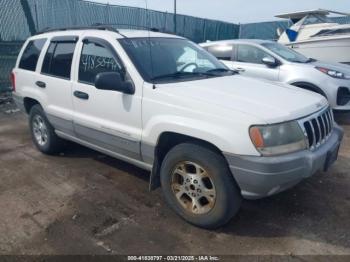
(199, 186)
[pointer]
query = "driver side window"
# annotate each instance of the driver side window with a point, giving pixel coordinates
(250, 54)
(96, 59)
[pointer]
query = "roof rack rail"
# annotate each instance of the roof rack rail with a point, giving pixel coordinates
(153, 29)
(100, 26)
(92, 27)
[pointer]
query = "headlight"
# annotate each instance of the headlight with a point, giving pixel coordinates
(332, 73)
(278, 139)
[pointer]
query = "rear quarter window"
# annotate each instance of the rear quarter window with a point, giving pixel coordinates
(31, 54)
(221, 51)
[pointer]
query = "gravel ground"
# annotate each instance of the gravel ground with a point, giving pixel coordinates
(83, 202)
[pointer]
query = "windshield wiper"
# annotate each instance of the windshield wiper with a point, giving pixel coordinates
(209, 73)
(310, 60)
(177, 75)
(220, 70)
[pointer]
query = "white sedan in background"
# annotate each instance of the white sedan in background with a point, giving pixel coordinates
(272, 61)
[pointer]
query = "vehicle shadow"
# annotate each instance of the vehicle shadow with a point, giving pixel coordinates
(73, 150)
(317, 209)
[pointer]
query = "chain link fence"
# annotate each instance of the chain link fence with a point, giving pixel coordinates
(20, 19)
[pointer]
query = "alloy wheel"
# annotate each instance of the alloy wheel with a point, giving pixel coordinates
(193, 187)
(40, 130)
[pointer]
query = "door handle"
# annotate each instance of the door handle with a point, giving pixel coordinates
(240, 69)
(40, 84)
(81, 95)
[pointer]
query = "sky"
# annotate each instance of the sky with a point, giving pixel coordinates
(236, 11)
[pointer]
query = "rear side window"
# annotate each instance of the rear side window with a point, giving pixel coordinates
(222, 51)
(96, 59)
(58, 59)
(31, 54)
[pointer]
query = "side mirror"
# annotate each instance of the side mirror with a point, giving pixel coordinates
(270, 61)
(113, 81)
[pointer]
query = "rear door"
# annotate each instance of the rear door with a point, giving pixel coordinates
(247, 60)
(105, 118)
(26, 66)
(54, 80)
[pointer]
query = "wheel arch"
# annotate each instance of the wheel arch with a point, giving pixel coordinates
(309, 86)
(29, 102)
(168, 140)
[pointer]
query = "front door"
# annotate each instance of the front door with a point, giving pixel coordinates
(105, 118)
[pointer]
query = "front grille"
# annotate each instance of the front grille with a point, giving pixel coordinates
(318, 127)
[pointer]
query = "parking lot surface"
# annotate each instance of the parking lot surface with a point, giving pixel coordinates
(83, 202)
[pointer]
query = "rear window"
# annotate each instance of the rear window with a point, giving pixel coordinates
(31, 54)
(58, 59)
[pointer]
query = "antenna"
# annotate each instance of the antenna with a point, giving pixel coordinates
(175, 13)
(149, 39)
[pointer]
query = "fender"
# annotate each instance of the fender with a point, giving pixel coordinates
(225, 134)
(221, 139)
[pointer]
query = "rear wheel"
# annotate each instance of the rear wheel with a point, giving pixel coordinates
(199, 186)
(43, 133)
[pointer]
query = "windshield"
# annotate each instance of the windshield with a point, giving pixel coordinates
(286, 53)
(316, 19)
(171, 59)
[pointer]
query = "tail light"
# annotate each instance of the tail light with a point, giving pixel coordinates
(13, 81)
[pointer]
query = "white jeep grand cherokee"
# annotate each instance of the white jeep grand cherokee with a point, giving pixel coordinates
(208, 136)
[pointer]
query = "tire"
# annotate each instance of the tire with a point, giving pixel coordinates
(212, 212)
(43, 133)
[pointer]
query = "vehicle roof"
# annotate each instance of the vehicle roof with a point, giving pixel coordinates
(129, 33)
(302, 14)
(237, 41)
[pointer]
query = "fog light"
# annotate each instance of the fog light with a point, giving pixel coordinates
(343, 96)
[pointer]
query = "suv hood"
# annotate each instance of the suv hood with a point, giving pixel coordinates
(269, 101)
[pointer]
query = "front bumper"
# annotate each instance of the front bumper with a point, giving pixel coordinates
(331, 87)
(260, 177)
(343, 97)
